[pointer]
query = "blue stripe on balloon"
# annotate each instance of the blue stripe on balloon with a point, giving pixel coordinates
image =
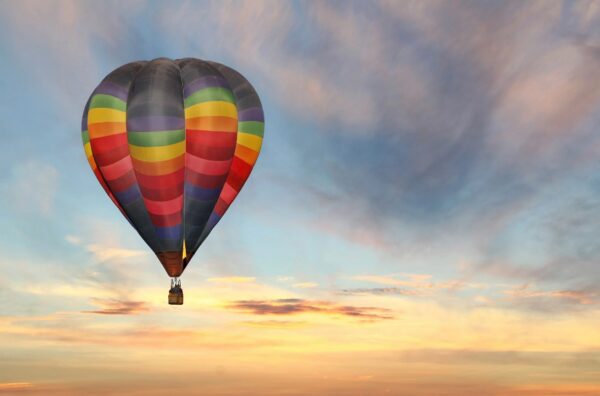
(203, 194)
(251, 114)
(204, 82)
(169, 232)
(212, 221)
(110, 88)
(128, 196)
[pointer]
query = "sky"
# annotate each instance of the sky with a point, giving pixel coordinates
(423, 218)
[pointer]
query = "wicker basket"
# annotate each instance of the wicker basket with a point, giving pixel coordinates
(176, 297)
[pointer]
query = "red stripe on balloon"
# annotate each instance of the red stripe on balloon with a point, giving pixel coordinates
(158, 194)
(112, 156)
(211, 138)
(122, 183)
(166, 220)
(117, 169)
(215, 146)
(220, 207)
(169, 180)
(228, 194)
(107, 143)
(204, 181)
(164, 207)
(239, 173)
(206, 167)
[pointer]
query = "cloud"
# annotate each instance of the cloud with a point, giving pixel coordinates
(107, 253)
(285, 278)
(417, 283)
(480, 117)
(378, 291)
(552, 301)
(305, 285)
(72, 239)
(265, 30)
(273, 323)
(73, 328)
(414, 280)
(576, 296)
(14, 386)
(291, 281)
(584, 360)
(88, 46)
(564, 237)
(118, 307)
(295, 306)
(232, 279)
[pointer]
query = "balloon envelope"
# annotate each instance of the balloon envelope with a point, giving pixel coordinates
(172, 143)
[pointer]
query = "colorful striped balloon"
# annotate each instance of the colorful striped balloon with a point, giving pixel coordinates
(172, 143)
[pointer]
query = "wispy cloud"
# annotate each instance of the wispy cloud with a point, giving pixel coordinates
(14, 386)
(118, 307)
(305, 285)
(263, 29)
(28, 21)
(232, 279)
(527, 297)
(296, 306)
(379, 291)
(106, 253)
(417, 283)
(72, 239)
(274, 323)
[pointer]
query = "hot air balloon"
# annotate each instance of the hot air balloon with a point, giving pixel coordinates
(172, 143)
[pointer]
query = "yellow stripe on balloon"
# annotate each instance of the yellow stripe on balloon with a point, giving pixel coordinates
(160, 153)
(215, 108)
(105, 115)
(253, 142)
(90, 157)
(88, 150)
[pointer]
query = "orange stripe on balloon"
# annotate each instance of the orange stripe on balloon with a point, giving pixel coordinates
(160, 167)
(222, 124)
(246, 154)
(101, 129)
(92, 163)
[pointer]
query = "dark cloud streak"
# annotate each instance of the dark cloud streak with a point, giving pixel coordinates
(294, 306)
(379, 291)
(118, 307)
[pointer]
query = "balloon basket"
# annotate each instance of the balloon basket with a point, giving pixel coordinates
(176, 292)
(175, 299)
